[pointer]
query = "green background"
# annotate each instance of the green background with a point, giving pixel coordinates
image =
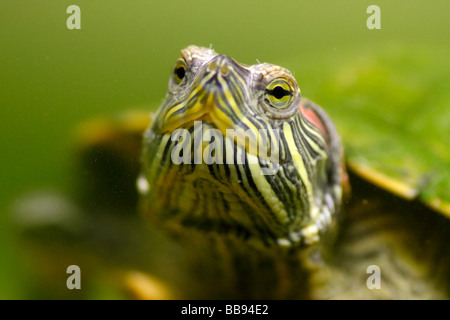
(51, 78)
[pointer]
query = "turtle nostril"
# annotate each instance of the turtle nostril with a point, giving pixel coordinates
(224, 70)
(221, 69)
(212, 66)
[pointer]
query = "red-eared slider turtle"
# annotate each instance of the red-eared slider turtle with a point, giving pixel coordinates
(262, 226)
(249, 179)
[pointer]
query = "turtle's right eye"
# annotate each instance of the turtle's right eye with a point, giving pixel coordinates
(179, 71)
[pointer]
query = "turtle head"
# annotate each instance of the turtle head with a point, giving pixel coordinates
(234, 150)
(249, 101)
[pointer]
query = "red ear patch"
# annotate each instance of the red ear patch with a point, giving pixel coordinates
(312, 117)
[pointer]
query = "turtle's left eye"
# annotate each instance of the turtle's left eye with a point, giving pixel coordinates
(179, 71)
(279, 93)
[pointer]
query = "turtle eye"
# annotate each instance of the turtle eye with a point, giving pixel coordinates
(279, 93)
(179, 71)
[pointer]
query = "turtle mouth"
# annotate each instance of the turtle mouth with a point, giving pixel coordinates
(198, 104)
(205, 110)
(212, 128)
